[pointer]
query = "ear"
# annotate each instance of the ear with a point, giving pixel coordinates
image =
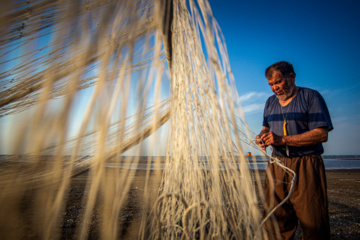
(292, 77)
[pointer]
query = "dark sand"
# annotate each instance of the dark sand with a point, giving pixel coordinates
(344, 203)
(343, 193)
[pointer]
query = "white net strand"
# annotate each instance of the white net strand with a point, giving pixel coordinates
(200, 135)
(87, 82)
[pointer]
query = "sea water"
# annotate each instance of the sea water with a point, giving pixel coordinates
(331, 163)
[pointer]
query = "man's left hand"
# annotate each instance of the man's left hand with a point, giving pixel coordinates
(271, 138)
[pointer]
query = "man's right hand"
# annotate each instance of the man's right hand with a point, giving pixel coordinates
(260, 143)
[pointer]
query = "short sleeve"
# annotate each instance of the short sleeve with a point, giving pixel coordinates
(265, 115)
(318, 114)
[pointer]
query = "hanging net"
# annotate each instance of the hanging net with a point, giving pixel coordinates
(105, 89)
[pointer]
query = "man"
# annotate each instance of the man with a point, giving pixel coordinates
(296, 123)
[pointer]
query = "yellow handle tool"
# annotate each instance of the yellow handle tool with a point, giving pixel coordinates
(284, 128)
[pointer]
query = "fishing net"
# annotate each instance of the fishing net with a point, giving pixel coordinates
(91, 84)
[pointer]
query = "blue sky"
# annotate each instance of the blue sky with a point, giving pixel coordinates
(320, 38)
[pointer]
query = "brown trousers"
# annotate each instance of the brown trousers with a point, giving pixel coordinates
(308, 202)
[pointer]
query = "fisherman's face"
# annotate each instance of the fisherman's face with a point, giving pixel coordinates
(282, 87)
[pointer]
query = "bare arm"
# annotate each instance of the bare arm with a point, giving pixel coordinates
(312, 137)
(264, 130)
(315, 136)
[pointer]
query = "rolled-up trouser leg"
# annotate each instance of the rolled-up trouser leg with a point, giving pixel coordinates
(308, 202)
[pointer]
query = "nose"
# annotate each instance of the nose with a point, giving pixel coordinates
(275, 87)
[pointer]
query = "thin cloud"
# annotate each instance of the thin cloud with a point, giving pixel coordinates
(257, 100)
(253, 96)
(328, 91)
(253, 108)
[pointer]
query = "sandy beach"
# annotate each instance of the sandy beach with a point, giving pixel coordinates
(343, 193)
(344, 203)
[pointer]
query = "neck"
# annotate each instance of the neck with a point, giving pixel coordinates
(285, 102)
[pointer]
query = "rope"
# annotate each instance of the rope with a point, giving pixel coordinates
(276, 161)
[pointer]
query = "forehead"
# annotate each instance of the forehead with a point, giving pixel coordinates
(276, 75)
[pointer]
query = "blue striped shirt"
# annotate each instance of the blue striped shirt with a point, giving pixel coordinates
(305, 112)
